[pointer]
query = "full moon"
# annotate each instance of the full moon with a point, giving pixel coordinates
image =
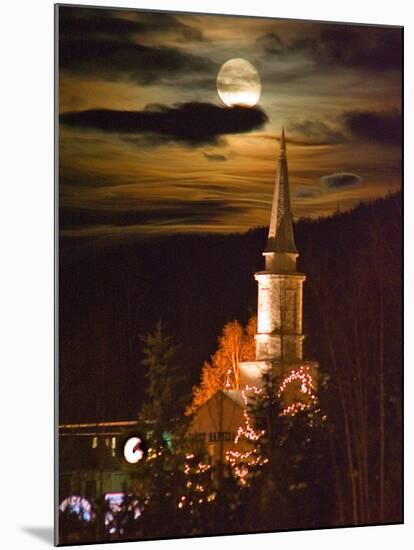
(238, 83)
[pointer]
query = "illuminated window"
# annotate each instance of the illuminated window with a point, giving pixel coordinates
(94, 442)
(114, 443)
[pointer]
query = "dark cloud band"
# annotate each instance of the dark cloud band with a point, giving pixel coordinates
(77, 22)
(189, 123)
(145, 65)
(383, 128)
(377, 49)
(378, 127)
(103, 44)
(215, 157)
(340, 180)
(171, 212)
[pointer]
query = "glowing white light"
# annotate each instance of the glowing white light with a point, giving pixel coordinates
(238, 83)
(78, 505)
(304, 376)
(132, 450)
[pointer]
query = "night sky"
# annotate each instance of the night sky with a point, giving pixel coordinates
(148, 147)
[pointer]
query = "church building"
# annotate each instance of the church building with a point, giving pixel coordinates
(279, 337)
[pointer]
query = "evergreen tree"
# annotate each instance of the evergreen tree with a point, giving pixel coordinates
(294, 453)
(183, 493)
(162, 411)
(164, 394)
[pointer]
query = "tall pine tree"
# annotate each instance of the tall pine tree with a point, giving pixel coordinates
(163, 413)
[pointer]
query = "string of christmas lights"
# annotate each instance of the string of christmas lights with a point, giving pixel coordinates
(247, 430)
(241, 462)
(195, 486)
(303, 374)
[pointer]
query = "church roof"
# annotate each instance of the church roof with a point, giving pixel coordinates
(280, 237)
(235, 396)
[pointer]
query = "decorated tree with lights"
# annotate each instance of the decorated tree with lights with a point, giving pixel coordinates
(198, 494)
(289, 454)
(284, 429)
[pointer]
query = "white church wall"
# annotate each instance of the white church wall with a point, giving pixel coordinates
(215, 425)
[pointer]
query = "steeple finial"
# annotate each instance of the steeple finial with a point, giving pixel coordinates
(282, 147)
(280, 238)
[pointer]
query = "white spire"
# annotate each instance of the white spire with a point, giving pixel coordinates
(280, 238)
(282, 147)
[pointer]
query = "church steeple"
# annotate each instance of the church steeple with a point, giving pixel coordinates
(279, 337)
(280, 250)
